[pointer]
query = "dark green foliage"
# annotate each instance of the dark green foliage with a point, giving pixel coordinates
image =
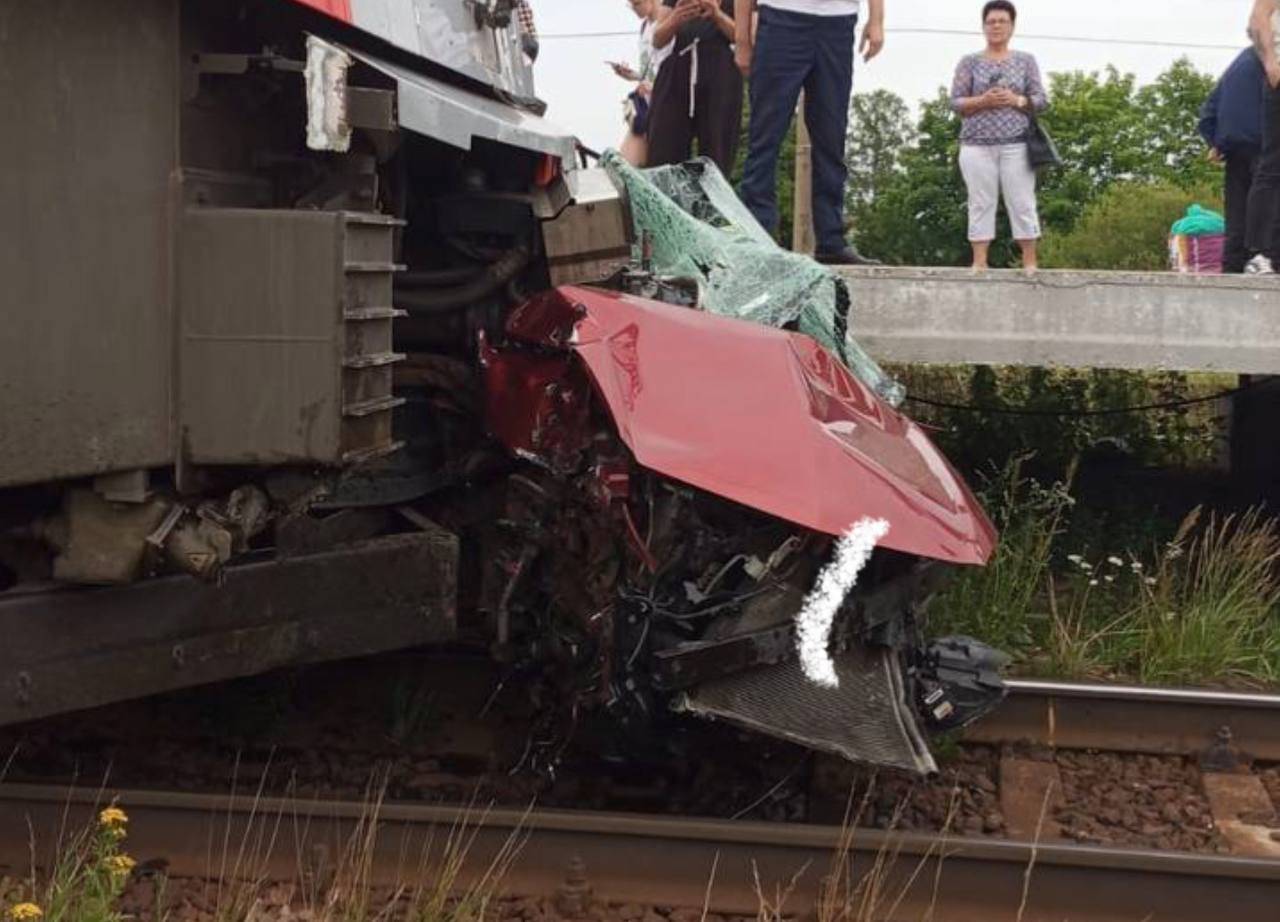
(1187, 435)
(1126, 227)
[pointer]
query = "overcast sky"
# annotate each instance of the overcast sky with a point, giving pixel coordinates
(585, 97)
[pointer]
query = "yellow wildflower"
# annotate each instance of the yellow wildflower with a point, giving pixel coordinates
(113, 817)
(119, 865)
(25, 912)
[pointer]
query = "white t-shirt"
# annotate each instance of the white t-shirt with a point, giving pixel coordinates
(816, 7)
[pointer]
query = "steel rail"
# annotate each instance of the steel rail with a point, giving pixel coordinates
(1130, 718)
(652, 860)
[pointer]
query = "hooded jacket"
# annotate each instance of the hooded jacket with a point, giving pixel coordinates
(1231, 118)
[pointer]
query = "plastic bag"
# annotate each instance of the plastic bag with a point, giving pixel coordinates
(1199, 222)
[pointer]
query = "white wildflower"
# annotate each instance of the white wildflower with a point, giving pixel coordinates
(1093, 582)
(1075, 558)
(1086, 566)
(1136, 566)
(1110, 579)
(1115, 561)
(1150, 580)
(813, 621)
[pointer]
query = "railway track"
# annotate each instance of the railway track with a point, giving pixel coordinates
(670, 862)
(647, 859)
(1129, 718)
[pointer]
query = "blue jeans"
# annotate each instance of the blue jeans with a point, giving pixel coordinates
(795, 51)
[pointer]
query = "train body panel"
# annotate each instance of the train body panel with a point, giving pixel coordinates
(479, 39)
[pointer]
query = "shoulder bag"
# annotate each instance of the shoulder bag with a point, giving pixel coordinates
(1041, 150)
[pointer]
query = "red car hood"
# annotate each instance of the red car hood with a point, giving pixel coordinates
(761, 416)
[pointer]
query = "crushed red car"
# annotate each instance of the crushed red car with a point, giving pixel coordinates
(688, 475)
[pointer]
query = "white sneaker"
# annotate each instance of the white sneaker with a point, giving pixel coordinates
(1259, 265)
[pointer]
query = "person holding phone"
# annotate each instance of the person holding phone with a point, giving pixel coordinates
(697, 95)
(635, 145)
(996, 92)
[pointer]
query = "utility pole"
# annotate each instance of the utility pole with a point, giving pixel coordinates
(802, 240)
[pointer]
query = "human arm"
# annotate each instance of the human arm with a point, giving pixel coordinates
(743, 34)
(1208, 123)
(671, 18)
(724, 23)
(962, 99)
(1263, 38)
(624, 70)
(873, 34)
(1036, 99)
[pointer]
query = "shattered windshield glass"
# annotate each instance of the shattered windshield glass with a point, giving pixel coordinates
(698, 228)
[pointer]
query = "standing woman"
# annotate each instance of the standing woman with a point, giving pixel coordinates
(698, 91)
(635, 146)
(996, 92)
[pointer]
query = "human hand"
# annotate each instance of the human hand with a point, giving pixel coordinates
(872, 41)
(1001, 97)
(1273, 74)
(710, 9)
(742, 57)
(623, 70)
(687, 10)
(1213, 155)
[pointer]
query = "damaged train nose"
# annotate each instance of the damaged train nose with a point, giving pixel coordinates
(722, 457)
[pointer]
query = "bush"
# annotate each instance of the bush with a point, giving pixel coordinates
(1127, 228)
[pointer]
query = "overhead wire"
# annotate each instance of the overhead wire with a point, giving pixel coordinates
(966, 33)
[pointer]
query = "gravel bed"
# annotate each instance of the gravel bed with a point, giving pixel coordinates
(198, 900)
(1135, 800)
(963, 797)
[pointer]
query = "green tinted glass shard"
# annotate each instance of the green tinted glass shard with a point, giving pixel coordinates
(697, 228)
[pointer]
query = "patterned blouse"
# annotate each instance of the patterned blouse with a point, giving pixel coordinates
(975, 75)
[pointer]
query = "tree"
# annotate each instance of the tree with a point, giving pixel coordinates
(880, 130)
(1170, 109)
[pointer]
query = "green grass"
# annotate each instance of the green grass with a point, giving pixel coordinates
(1211, 611)
(993, 602)
(1202, 608)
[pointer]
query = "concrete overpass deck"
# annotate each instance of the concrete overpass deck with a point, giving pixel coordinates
(1133, 320)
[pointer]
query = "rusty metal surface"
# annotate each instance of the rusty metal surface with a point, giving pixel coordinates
(282, 357)
(84, 180)
(633, 858)
(1131, 719)
(590, 239)
(65, 650)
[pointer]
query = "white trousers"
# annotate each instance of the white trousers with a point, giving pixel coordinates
(993, 170)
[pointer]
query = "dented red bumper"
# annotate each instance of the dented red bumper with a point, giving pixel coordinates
(761, 416)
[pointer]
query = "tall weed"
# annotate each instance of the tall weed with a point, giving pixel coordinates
(993, 602)
(1209, 611)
